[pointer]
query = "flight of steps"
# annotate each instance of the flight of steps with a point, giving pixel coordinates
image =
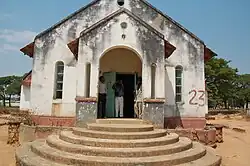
(116, 142)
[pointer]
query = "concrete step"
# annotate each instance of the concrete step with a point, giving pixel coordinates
(68, 136)
(25, 157)
(210, 159)
(183, 144)
(121, 121)
(120, 127)
(41, 148)
(119, 135)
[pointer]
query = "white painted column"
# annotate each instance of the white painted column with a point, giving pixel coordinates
(146, 80)
(94, 77)
(160, 81)
(80, 84)
(170, 84)
(170, 106)
(81, 69)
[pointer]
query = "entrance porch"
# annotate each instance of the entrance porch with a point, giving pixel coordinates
(125, 65)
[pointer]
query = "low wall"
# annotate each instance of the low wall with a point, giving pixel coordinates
(31, 133)
(224, 112)
(207, 137)
(53, 120)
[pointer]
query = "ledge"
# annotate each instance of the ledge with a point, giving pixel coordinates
(86, 99)
(154, 100)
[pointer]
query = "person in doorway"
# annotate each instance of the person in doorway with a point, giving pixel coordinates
(119, 93)
(138, 99)
(102, 94)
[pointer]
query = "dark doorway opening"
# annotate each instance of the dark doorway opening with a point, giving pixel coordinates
(128, 81)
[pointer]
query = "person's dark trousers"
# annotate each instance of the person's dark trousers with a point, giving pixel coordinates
(101, 105)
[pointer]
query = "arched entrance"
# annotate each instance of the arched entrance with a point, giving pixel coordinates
(120, 64)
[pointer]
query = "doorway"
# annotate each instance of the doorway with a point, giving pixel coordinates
(128, 81)
(120, 63)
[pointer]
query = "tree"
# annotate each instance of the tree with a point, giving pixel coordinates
(14, 88)
(9, 85)
(221, 81)
(243, 89)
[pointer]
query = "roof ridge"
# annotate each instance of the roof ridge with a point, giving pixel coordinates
(95, 1)
(66, 18)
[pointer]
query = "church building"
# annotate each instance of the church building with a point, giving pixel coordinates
(117, 39)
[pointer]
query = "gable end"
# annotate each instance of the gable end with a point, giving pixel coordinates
(172, 20)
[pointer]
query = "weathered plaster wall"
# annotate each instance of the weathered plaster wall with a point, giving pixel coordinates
(189, 54)
(25, 98)
(52, 47)
(141, 40)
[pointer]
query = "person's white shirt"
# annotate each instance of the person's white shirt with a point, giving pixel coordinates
(102, 88)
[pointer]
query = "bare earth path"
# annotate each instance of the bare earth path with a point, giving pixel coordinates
(235, 150)
(7, 152)
(236, 147)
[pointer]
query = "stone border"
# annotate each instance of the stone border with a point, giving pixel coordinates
(43, 120)
(207, 137)
(31, 133)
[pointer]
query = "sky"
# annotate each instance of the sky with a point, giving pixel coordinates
(224, 25)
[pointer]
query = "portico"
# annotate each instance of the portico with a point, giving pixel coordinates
(121, 46)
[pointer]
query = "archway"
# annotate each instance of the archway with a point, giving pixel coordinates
(120, 64)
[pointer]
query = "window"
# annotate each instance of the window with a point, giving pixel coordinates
(59, 80)
(153, 70)
(178, 83)
(87, 83)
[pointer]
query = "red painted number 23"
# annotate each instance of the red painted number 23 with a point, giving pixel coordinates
(200, 94)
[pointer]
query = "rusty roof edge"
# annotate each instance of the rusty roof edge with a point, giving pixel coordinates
(24, 77)
(173, 21)
(66, 18)
(120, 11)
(209, 49)
(26, 46)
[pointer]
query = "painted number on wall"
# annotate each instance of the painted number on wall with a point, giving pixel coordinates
(197, 97)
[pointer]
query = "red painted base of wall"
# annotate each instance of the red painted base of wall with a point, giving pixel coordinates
(186, 123)
(54, 120)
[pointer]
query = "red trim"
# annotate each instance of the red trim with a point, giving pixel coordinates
(208, 54)
(73, 46)
(27, 79)
(28, 49)
(54, 120)
(185, 122)
(169, 49)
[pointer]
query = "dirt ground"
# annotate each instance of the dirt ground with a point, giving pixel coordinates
(235, 150)
(7, 152)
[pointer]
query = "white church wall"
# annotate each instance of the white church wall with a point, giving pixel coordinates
(189, 54)
(51, 46)
(25, 98)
